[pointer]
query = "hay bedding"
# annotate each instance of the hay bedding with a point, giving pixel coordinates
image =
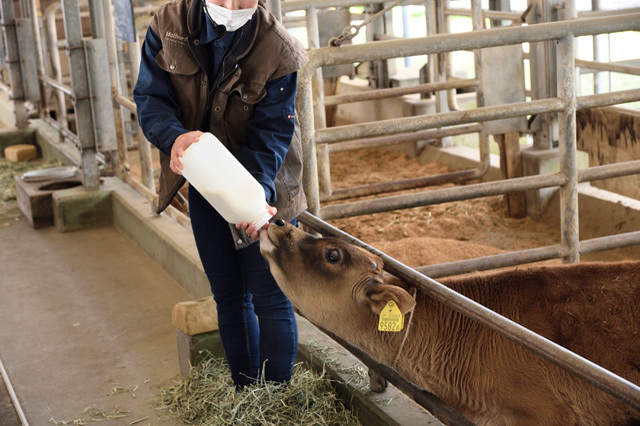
(431, 234)
(207, 398)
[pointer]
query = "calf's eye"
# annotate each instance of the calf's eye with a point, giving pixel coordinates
(334, 256)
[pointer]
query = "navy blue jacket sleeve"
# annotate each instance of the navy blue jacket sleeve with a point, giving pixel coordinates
(158, 113)
(269, 133)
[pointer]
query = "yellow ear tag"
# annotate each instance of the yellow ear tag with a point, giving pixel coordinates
(391, 319)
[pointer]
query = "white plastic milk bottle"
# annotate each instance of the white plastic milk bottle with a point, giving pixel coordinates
(224, 182)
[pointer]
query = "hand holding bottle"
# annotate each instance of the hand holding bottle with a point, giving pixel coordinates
(181, 143)
(251, 230)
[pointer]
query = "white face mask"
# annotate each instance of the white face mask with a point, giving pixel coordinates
(230, 19)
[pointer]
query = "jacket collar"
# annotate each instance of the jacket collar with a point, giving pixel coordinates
(244, 38)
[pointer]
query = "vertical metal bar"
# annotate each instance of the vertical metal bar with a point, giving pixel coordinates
(441, 75)
(570, 11)
(371, 31)
(477, 20)
(501, 5)
(144, 147)
(101, 101)
(3, 58)
(28, 62)
(478, 24)
(408, 60)
(121, 87)
(35, 23)
(387, 67)
(452, 102)
(97, 19)
(122, 116)
(430, 16)
(317, 84)
(273, 6)
(597, 53)
(568, 149)
(13, 59)
(81, 100)
(54, 57)
(304, 102)
(109, 28)
(432, 64)
(540, 65)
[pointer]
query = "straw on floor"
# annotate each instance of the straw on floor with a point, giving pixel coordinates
(208, 397)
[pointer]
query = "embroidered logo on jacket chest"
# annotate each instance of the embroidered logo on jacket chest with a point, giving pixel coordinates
(176, 38)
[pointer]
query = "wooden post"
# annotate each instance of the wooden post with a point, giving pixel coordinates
(511, 167)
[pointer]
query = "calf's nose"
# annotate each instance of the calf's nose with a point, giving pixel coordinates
(280, 222)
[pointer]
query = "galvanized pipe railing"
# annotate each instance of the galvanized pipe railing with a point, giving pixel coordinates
(421, 182)
(565, 58)
(485, 189)
(538, 254)
(422, 135)
(601, 378)
(49, 21)
(417, 123)
(494, 261)
(607, 99)
(422, 122)
(60, 87)
(442, 43)
(517, 16)
(566, 104)
(398, 91)
(443, 195)
(608, 66)
(323, 166)
(400, 185)
(295, 5)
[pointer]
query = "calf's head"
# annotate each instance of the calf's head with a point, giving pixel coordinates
(333, 283)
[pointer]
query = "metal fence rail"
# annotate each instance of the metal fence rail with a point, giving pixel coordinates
(565, 104)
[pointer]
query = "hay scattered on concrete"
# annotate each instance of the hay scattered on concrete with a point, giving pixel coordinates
(8, 169)
(207, 397)
(118, 390)
(90, 415)
(9, 212)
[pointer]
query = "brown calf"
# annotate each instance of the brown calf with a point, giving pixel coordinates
(591, 309)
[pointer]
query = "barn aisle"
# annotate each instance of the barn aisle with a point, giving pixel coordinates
(85, 326)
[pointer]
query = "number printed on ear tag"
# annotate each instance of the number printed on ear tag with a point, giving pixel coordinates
(391, 319)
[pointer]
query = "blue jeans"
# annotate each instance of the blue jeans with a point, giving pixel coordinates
(256, 321)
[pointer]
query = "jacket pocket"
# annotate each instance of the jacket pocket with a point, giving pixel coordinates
(240, 108)
(243, 98)
(177, 62)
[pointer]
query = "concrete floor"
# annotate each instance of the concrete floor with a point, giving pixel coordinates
(84, 314)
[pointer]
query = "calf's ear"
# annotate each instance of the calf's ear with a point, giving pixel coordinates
(381, 294)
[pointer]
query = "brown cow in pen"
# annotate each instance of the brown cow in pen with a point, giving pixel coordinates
(591, 309)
